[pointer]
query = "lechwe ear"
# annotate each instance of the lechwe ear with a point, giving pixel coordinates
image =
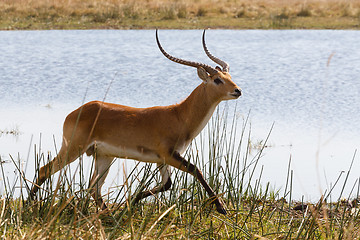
(203, 75)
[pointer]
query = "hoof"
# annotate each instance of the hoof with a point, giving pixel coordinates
(31, 198)
(220, 206)
(28, 202)
(221, 210)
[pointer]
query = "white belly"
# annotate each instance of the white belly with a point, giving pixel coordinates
(139, 153)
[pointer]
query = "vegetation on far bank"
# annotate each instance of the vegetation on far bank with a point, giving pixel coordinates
(180, 14)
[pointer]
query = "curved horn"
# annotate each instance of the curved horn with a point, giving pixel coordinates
(223, 64)
(208, 68)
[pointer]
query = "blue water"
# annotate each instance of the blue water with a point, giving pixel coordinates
(306, 82)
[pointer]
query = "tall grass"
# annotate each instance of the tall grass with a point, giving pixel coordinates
(223, 151)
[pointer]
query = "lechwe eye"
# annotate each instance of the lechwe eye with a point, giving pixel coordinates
(218, 81)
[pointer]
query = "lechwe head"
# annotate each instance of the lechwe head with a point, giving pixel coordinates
(219, 82)
(157, 135)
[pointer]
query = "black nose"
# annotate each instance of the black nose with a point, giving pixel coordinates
(238, 91)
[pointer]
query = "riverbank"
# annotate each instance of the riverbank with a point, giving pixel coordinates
(185, 14)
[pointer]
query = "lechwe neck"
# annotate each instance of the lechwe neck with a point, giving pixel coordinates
(197, 109)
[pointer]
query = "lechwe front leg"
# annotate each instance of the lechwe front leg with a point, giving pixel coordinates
(165, 185)
(176, 160)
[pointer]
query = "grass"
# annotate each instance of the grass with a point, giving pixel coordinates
(182, 14)
(224, 153)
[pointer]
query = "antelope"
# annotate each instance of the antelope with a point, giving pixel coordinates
(157, 134)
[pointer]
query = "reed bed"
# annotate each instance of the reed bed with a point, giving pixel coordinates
(229, 160)
(180, 14)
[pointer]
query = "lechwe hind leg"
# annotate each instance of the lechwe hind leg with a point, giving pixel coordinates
(165, 185)
(101, 170)
(65, 156)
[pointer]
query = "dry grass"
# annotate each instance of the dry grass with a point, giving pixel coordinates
(44, 14)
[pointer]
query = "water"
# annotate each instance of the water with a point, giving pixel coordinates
(306, 82)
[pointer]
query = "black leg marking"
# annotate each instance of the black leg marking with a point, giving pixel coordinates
(192, 169)
(166, 186)
(153, 191)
